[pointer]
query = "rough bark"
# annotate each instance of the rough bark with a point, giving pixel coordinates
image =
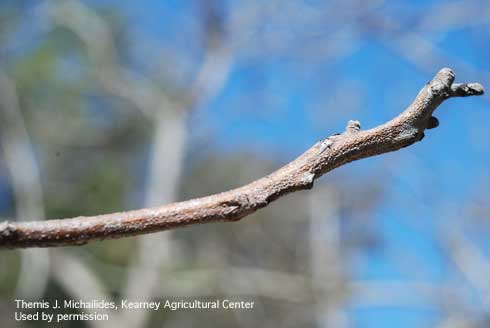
(326, 155)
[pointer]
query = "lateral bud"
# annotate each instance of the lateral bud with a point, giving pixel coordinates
(353, 126)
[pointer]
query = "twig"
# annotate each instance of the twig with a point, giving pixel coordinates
(324, 156)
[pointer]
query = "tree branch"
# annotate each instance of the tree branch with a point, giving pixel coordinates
(324, 156)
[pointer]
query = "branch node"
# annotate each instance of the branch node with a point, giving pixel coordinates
(307, 179)
(353, 126)
(433, 123)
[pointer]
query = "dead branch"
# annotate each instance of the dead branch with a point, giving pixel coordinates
(326, 155)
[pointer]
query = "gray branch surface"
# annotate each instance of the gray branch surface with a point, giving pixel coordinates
(326, 155)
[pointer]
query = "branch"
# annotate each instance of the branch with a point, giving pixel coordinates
(324, 156)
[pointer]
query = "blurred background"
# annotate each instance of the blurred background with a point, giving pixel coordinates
(116, 105)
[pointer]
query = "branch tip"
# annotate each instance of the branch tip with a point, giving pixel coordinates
(466, 89)
(446, 75)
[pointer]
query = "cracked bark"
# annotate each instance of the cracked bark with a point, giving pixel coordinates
(326, 155)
